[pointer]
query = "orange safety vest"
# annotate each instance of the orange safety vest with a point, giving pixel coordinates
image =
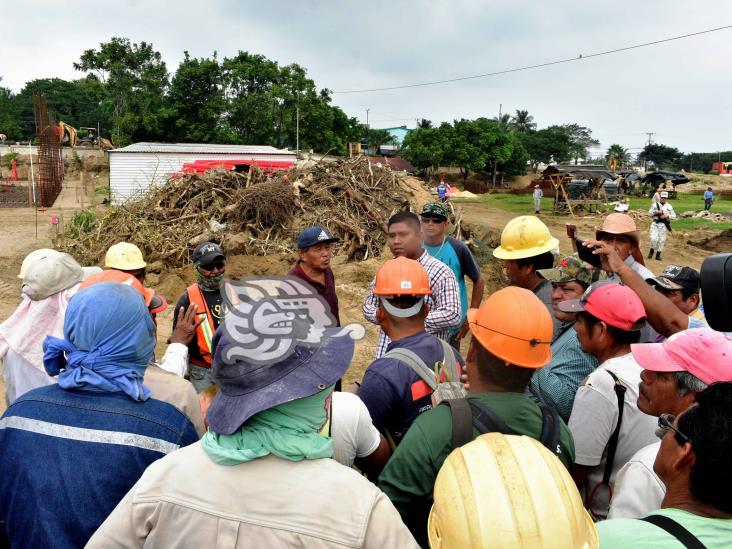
(205, 330)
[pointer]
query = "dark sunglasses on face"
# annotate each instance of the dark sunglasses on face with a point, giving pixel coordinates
(666, 424)
(433, 219)
(220, 264)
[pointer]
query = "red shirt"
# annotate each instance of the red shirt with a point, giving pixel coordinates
(327, 291)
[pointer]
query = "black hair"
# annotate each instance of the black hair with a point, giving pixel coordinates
(491, 368)
(541, 261)
(406, 217)
(686, 294)
(404, 302)
(621, 337)
(709, 427)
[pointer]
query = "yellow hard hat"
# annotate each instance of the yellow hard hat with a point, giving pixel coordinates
(525, 236)
(124, 256)
(507, 491)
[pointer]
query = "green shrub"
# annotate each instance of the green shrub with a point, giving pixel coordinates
(8, 158)
(81, 223)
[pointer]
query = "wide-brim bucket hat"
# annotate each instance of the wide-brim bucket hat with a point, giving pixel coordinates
(248, 387)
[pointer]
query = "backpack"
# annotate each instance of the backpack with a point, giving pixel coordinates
(450, 387)
(469, 414)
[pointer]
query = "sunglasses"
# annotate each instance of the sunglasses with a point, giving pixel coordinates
(433, 219)
(666, 424)
(220, 264)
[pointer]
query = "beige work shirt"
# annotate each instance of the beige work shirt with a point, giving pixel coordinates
(187, 500)
(177, 392)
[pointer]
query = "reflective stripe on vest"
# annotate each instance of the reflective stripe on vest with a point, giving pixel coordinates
(205, 330)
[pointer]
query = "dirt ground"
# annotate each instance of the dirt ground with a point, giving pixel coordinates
(18, 227)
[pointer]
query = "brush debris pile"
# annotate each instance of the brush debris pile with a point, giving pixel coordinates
(251, 213)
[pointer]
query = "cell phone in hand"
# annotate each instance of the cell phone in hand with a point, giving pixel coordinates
(586, 255)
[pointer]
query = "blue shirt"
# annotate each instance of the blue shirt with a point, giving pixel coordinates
(441, 190)
(556, 383)
(456, 255)
(393, 393)
(69, 456)
(708, 195)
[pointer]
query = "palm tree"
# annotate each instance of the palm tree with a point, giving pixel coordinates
(618, 153)
(523, 122)
(424, 123)
(504, 121)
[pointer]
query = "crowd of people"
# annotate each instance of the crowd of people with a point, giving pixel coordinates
(542, 429)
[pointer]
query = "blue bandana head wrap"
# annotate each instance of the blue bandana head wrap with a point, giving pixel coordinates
(109, 338)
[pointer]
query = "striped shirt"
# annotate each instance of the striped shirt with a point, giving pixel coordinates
(444, 302)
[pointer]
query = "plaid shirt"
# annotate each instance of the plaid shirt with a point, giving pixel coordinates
(556, 383)
(444, 302)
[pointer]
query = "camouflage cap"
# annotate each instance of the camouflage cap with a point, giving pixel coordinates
(434, 208)
(571, 268)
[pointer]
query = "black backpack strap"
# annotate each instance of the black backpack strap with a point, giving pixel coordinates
(462, 421)
(550, 429)
(486, 420)
(612, 444)
(686, 538)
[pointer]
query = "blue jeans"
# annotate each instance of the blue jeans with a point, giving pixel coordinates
(199, 377)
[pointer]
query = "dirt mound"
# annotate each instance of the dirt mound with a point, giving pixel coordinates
(253, 214)
(721, 242)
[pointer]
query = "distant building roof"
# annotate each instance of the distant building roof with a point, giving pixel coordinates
(200, 148)
(583, 171)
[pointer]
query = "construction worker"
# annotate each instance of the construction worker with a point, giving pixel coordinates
(619, 231)
(268, 435)
(456, 255)
(537, 195)
(526, 246)
(126, 257)
(662, 213)
(49, 280)
(556, 383)
(505, 491)
(393, 390)
(209, 263)
(404, 236)
(76, 447)
(674, 374)
(511, 338)
(315, 248)
(605, 422)
(164, 378)
(694, 463)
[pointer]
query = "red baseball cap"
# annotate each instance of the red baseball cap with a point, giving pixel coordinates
(703, 352)
(613, 303)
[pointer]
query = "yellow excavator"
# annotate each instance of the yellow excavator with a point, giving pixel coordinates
(83, 137)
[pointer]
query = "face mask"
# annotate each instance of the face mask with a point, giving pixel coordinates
(209, 283)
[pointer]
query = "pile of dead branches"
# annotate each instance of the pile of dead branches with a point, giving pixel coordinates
(251, 213)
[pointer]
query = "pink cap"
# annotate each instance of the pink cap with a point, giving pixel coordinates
(702, 352)
(613, 303)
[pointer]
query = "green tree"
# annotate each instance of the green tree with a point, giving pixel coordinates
(547, 145)
(619, 153)
(662, 156)
(581, 140)
(196, 102)
(425, 147)
(523, 122)
(8, 115)
(504, 120)
(424, 123)
(136, 80)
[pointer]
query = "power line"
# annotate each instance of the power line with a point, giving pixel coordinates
(581, 57)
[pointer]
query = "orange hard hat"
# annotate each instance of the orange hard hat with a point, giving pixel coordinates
(154, 302)
(514, 325)
(402, 276)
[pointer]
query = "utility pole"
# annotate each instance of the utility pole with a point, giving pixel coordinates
(297, 125)
(645, 162)
(368, 139)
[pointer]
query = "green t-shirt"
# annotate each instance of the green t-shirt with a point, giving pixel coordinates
(636, 533)
(409, 476)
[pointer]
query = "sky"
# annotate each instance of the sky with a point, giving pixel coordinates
(680, 91)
